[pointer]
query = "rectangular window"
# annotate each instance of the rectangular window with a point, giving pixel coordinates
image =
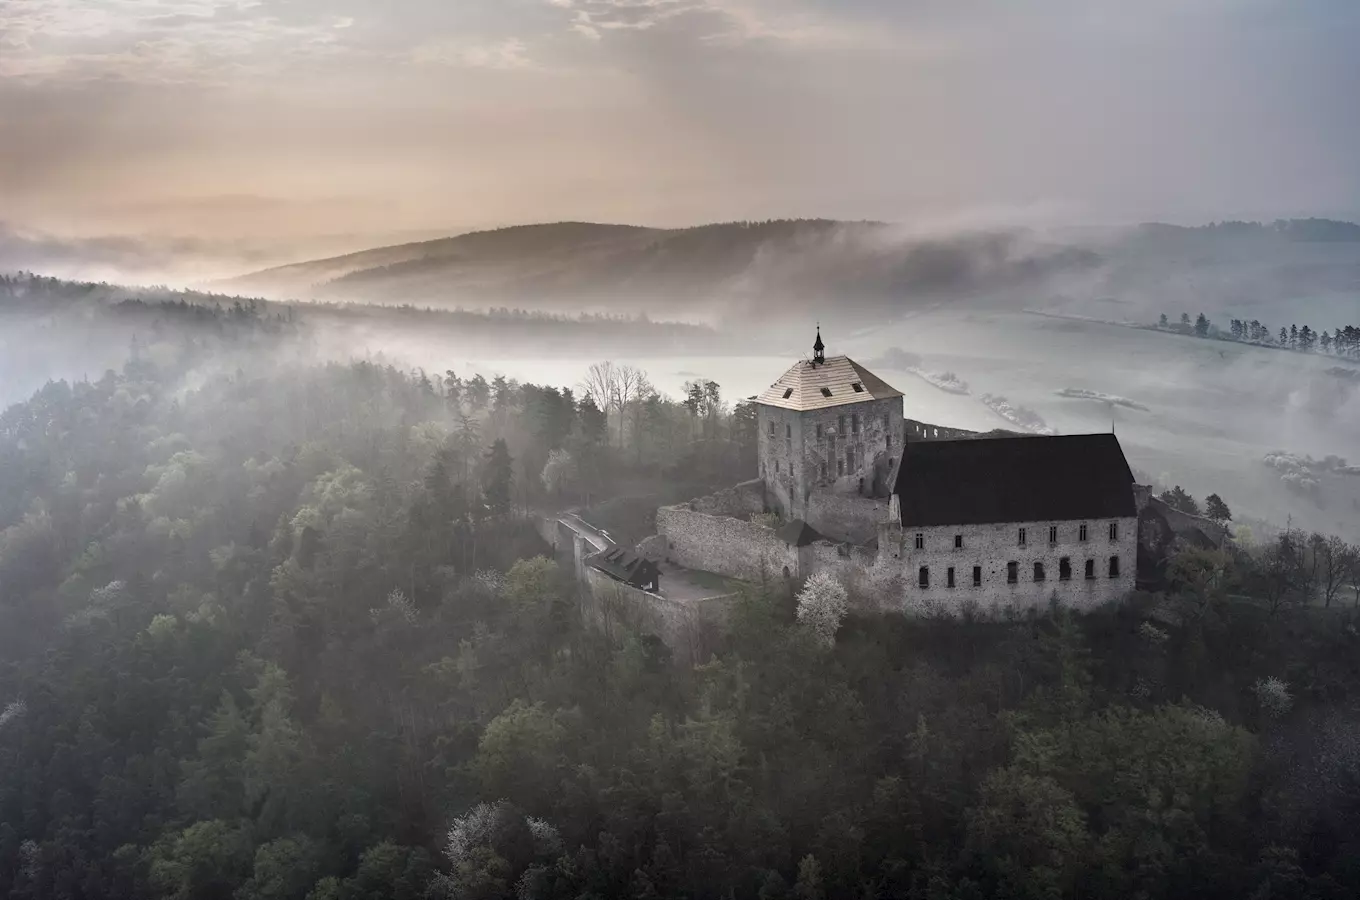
(819, 437)
(1090, 569)
(1081, 533)
(840, 424)
(1053, 534)
(925, 577)
(977, 576)
(1012, 572)
(1038, 571)
(1114, 567)
(1022, 537)
(949, 576)
(776, 467)
(958, 542)
(771, 429)
(1065, 569)
(1114, 531)
(788, 432)
(920, 541)
(854, 423)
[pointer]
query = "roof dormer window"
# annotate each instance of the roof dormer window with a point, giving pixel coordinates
(826, 392)
(788, 392)
(859, 388)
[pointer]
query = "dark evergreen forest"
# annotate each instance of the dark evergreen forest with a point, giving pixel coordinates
(279, 630)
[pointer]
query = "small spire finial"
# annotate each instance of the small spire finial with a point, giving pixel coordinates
(818, 348)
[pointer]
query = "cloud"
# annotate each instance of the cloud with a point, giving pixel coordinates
(507, 54)
(158, 40)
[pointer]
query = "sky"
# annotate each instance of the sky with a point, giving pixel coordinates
(290, 123)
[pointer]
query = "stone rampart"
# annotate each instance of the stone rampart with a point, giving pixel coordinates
(738, 502)
(724, 545)
(690, 629)
(846, 516)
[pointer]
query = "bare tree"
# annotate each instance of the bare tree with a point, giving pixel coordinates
(602, 384)
(615, 387)
(1272, 575)
(1338, 565)
(633, 386)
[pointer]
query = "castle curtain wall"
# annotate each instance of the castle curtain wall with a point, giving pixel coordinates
(724, 545)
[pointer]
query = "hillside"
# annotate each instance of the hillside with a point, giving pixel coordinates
(731, 270)
(745, 270)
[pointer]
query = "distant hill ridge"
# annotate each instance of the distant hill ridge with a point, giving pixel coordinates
(731, 264)
(739, 270)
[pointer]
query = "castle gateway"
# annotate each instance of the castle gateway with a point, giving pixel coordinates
(980, 522)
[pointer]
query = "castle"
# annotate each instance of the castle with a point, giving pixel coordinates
(908, 521)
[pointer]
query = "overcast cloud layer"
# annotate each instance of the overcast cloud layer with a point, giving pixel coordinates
(278, 119)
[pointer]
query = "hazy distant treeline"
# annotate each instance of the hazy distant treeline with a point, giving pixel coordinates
(1344, 340)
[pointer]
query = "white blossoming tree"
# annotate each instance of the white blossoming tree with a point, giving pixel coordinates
(1272, 694)
(822, 607)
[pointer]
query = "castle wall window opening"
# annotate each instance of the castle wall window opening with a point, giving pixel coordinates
(1114, 567)
(949, 576)
(1065, 569)
(958, 542)
(1081, 533)
(1022, 537)
(1053, 534)
(1012, 573)
(977, 576)
(1090, 570)
(1038, 571)
(920, 541)
(923, 577)
(1114, 531)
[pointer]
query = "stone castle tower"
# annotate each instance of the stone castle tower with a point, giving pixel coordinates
(828, 424)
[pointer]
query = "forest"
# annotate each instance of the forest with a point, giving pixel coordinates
(277, 629)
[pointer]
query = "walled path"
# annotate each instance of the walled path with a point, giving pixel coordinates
(597, 538)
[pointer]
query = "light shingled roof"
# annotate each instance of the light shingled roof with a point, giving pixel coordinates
(807, 384)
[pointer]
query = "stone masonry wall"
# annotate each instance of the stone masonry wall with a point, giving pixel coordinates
(846, 517)
(739, 501)
(822, 449)
(993, 546)
(724, 545)
(690, 630)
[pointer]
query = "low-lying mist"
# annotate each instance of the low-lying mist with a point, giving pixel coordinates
(990, 329)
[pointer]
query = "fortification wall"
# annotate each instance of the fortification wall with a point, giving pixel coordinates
(921, 431)
(691, 630)
(846, 517)
(653, 548)
(738, 502)
(724, 545)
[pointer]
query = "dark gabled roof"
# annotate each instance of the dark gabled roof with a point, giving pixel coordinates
(625, 565)
(1019, 479)
(798, 534)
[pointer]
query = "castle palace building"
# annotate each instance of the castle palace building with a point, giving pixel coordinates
(906, 520)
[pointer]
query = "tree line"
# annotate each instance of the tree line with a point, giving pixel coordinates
(1341, 341)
